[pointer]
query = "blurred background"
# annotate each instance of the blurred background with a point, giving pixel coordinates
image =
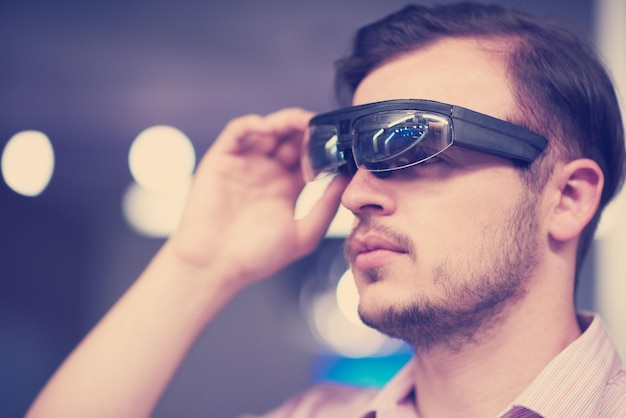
(105, 108)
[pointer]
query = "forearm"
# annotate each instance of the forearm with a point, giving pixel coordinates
(125, 363)
(238, 227)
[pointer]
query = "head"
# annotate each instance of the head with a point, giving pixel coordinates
(560, 86)
(472, 223)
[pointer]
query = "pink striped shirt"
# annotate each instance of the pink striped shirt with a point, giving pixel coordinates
(584, 380)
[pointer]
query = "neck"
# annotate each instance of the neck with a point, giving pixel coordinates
(486, 374)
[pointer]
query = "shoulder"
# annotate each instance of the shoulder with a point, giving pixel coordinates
(326, 400)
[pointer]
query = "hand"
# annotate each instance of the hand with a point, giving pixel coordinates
(238, 226)
(239, 218)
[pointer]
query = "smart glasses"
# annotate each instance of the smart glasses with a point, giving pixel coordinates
(394, 134)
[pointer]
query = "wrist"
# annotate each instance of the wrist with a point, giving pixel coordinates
(209, 282)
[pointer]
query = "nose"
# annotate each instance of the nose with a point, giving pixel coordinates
(368, 194)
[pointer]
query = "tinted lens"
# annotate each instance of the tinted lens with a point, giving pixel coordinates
(396, 139)
(322, 151)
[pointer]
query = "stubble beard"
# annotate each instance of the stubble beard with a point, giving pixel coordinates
(477, 289)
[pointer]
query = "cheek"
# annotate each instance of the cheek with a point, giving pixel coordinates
(451, 217)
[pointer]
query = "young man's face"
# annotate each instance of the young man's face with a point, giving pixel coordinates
(441, 247)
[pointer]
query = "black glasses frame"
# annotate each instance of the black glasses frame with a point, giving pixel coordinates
(469, 129)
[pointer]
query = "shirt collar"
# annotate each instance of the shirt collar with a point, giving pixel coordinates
(565, 387)
(397, 398)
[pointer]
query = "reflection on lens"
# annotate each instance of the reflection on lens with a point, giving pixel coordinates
(332, 153)
(405, 138)
(387, 143)
(322, 151)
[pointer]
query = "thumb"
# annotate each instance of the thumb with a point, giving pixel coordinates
(312, 227)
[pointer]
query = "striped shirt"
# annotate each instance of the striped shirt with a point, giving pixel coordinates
(584, 380)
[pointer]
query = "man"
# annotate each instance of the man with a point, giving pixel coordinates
(468, 237)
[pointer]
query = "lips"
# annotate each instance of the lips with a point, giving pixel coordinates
(371, 251)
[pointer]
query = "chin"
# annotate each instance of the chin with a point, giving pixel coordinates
(375, 298)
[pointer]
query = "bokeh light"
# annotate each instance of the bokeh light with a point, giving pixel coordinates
(348, 298)
(154, 213)
(334, 320)
(339, 333)
(161, 158)
(28, 162)
(313, 190)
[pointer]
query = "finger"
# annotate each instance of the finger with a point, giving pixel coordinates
(239, 132)
(312, 228)
(290, 126)
(289, 152)
(287, 127)
(289, 121)
(261, 134)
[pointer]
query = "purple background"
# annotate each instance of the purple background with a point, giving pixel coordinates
(92, 75)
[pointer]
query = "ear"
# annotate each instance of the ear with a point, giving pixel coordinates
(579, 186)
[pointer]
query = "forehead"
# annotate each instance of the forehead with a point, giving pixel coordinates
(466, 72)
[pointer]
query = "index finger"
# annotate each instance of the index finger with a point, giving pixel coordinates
(270, 130)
